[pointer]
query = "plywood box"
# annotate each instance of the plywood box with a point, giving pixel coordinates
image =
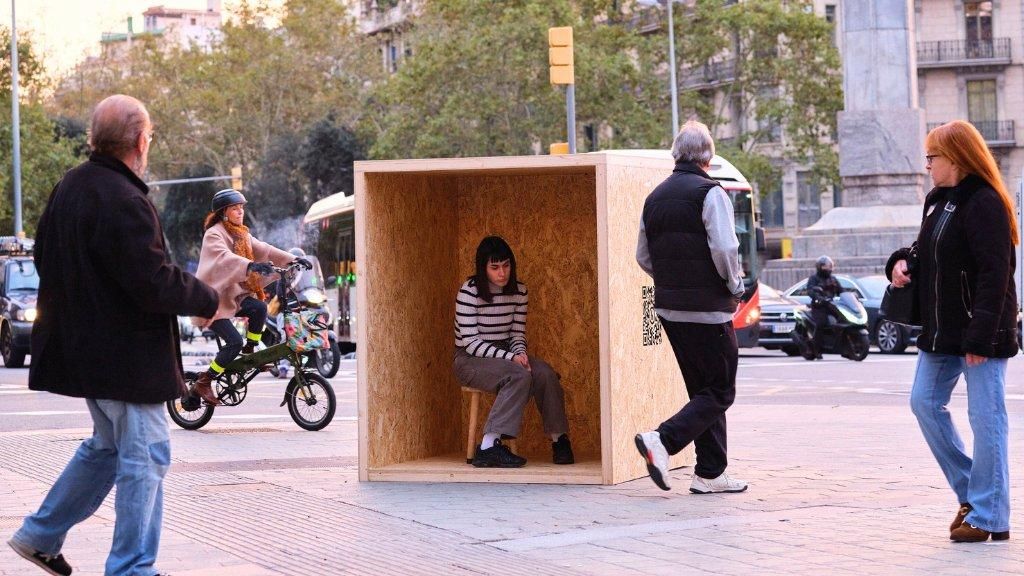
(572, 222)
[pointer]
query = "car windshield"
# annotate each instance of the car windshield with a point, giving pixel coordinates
(22, 275)
(873, 286)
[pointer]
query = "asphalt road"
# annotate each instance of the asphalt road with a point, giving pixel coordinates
(765, 377)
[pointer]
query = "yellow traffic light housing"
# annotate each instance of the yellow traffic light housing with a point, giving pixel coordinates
(236, 177)
(560, 55)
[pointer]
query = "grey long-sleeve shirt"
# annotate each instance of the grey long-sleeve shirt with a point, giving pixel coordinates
(720, 223)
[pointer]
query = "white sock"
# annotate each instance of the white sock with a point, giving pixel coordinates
(488, 441)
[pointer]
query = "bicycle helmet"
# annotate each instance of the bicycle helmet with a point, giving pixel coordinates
(225, 198)
(824, 266)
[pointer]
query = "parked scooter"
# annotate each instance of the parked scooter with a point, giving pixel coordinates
(846, 332)
(308, 290)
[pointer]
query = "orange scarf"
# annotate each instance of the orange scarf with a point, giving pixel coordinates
(243, 247)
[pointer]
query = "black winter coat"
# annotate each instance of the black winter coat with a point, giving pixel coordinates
(822, 290)
(963, 264)
(108, 295)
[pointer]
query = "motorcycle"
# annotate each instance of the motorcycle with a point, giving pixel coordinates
(307, 291)
(846, 332)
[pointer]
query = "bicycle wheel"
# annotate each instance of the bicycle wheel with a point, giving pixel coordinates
(189, 412)
(311, 405)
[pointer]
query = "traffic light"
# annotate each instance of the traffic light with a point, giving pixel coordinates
(558, 148)
(236, 177)
(560, 58)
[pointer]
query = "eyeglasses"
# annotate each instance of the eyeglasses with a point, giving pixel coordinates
(931, 157)
(150, 136)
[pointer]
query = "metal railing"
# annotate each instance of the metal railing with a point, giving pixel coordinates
(1001, 132)
(954, 52)
(709, 74)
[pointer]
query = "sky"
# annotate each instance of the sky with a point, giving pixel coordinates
(65, 31)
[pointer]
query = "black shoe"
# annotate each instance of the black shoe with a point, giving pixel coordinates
(561, 451)
(497, 456)
(55, 564)
(249, 347)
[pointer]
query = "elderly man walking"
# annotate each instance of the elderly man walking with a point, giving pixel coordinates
(688, 245)
(107, 332)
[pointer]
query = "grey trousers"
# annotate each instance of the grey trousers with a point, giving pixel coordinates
(513, 386)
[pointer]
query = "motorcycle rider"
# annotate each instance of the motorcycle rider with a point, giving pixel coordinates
(822, 287)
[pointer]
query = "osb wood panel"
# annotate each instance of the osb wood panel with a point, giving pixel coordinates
(550, 223)
(645, 384)
(408, 269)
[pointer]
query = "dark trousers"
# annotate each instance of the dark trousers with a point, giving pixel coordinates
(256, 312)
(707, 356)
(820, 316)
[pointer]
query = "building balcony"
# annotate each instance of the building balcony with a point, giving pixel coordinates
(957, 53)
(709, 75)
(997, 133)
(386, 15)
(647, 21)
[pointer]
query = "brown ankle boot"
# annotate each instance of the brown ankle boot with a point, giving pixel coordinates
(249, 347)
(205, 390)
(962, 513)
(968, 533)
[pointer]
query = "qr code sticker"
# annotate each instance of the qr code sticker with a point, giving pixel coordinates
(652, 326)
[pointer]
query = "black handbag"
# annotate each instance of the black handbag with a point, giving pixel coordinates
(901, 305)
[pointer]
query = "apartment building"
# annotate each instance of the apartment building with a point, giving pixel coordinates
(387, 21)
(970, 66)
(182, 27)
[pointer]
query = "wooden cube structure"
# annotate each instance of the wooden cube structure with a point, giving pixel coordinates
(572, 222)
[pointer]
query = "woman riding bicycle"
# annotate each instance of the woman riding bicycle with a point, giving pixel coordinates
(235, 264)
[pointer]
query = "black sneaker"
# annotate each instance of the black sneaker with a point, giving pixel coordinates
(56, 564)
(497, 456)
(562, 451)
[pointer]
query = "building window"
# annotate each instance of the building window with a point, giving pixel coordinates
(830, 17)
(981, 107)
(808, 194)
(978, 25)
(772, 211)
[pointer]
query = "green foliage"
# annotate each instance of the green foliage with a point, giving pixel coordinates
(477, 83)
(787, 73)
(46, 152)
(185, 208)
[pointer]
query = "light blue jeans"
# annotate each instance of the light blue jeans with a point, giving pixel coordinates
(130, 447)
(981, 480)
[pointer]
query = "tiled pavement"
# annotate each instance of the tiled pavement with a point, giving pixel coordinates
(834, 490)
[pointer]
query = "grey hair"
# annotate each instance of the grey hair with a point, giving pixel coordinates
(693, 144)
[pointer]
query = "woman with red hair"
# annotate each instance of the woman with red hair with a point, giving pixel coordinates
(962, 269)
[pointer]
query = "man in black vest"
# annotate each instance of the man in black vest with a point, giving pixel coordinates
(688, 245)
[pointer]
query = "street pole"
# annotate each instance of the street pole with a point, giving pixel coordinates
(15, 126)
(570, 115)
(672, 72)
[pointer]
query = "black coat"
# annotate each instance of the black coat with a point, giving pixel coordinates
(821, 290)
(962, 268)
(109, 296)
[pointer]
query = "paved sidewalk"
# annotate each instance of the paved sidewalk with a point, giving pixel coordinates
(834, 490)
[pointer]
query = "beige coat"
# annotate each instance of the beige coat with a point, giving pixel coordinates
(225, 271)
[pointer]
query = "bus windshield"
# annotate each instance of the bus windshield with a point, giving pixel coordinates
(744, 211)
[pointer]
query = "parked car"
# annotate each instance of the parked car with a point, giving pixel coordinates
(891, 338)
(778, 318)
(19, 286)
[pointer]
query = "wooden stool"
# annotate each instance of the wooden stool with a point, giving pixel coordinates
(474, 408)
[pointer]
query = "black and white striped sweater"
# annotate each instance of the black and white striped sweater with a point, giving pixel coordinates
(491, 330)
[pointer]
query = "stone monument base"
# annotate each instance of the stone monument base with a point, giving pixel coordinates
(858, 239)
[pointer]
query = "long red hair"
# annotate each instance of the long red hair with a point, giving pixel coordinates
(964, 146)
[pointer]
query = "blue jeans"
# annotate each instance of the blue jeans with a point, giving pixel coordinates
(983, 479)
(130, 447)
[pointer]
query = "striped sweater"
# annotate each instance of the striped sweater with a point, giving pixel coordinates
(491, 330)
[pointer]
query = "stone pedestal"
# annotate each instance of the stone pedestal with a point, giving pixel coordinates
(881, 149)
